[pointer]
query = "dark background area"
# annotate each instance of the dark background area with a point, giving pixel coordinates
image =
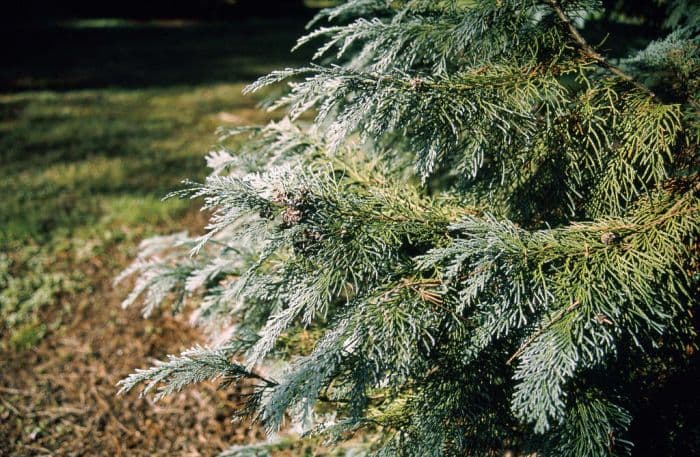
(89, 54)
(139, 44)
(38, 10)
(650, 11)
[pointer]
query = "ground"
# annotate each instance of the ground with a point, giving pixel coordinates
(99, 120)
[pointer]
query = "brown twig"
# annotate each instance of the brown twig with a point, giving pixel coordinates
(430, 297)
(595, 55)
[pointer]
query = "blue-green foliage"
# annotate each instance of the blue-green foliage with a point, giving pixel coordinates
(484, 224)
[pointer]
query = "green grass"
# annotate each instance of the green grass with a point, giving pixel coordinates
(77, 159)
(89, 166)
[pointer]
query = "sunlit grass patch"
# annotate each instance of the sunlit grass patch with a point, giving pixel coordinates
(131, 211)
(93, 165)
(65, 156)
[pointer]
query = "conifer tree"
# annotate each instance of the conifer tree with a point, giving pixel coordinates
(472, 233)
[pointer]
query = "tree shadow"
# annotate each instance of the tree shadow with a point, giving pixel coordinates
(92, 54)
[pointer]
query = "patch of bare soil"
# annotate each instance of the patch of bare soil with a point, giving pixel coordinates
(60, 398)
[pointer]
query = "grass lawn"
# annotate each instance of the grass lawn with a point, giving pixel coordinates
(98, 121)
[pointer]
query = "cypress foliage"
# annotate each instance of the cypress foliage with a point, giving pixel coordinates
(484, 241)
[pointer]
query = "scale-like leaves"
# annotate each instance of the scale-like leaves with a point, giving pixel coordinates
(483, 240)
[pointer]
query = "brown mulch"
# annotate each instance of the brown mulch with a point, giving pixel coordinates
(60, 397)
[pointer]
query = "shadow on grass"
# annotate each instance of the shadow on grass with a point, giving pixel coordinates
(127, 54)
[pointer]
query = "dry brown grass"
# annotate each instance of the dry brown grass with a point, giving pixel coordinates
(60, 397)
